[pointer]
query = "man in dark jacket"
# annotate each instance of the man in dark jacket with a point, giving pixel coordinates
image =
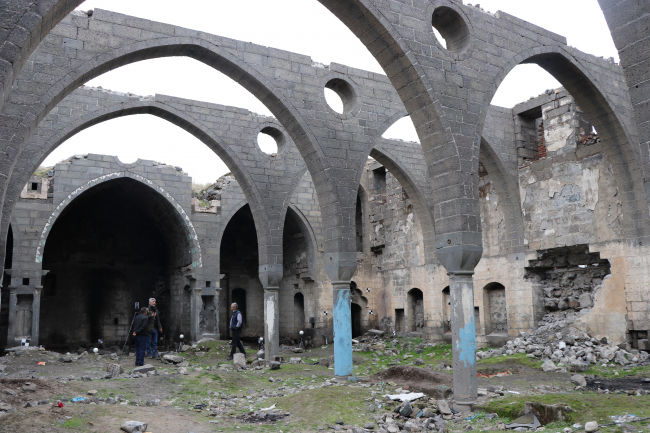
(155, 325)
(236, 323)
(141, 335)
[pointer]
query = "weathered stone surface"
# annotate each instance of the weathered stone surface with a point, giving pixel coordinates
(443, 407)
(275, 365)
(578, 380)
(591, 426)
(29, 387)
(239, 360)
(144, 369)
(173, 358)
(114, 370)
(134, 426)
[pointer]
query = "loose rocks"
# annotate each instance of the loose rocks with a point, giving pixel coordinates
(239, 360)
(144, 369)
(578, 380)
(173, 358)
(134, 426)
(591, 426)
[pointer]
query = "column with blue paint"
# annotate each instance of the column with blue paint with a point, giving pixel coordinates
(342, 329)
(463, 340)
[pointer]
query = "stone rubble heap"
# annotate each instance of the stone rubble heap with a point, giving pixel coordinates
(213, 191)
(563, 347)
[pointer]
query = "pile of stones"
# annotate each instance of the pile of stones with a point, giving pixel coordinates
(563, 347)
(213, 191)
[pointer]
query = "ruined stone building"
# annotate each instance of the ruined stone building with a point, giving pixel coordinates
(496, 218)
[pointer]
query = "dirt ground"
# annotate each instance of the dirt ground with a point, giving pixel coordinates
(213, 397)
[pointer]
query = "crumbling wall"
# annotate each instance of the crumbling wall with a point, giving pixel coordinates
(569, 277)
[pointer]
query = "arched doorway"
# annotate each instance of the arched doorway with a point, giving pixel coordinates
(496, 313)
(298, 312)
(415, 301)
(356, 312)
(446, 314)
(118, 243)
(239, 259)
(6, 280)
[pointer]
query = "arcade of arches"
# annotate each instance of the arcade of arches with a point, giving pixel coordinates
(496, 219)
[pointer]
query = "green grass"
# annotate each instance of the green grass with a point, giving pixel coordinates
(586, 406)
(611, 372)
(519, 358)
(74, 423)
(317, 407)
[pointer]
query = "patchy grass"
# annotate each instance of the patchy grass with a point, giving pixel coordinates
(519, 358)
(75, 423)
(313, 408)
(588, 406)
(618, 371)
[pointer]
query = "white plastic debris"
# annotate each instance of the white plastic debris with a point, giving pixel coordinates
(406, 397)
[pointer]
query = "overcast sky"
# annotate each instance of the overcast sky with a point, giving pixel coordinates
(302, 26)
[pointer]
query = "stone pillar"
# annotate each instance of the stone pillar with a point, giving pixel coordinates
(270, 276)
(340, 268)
(13, 309)
(342, 329)
(459, 253)
(36, 314)
(463, 341)
(196, 303)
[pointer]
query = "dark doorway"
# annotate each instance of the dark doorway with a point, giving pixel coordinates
(118, 243)
(239, 297)
(240, 262)
(399, 320)
(298, 312)
(6, 281)
(356, 319)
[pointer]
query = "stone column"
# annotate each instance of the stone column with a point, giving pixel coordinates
(459, 253)
(13, 309)
(196, 305)
(342, 329)
(36, 315)
(340, 268)
(463, 341)
(270, 276)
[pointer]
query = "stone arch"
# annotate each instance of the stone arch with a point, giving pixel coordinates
(507, 187)
(182, 217)
(617, 137)
(308, 232)
(415, 310)
(220, 59)
(170, 114)
(226, 219)
(31, 25)
(421, 204)
(441, 149)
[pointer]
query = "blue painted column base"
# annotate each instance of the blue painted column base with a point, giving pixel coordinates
(342, 330)
(463, 340)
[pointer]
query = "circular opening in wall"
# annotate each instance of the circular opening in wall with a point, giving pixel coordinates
(270, 140)
(450, 29)
(340, 95)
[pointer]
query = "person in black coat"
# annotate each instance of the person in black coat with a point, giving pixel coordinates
(236, 323)
(141, 335)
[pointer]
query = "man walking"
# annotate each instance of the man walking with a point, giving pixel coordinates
(140, 335)
(155, 325)
(236, 323)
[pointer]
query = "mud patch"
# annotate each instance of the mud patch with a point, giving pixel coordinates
(624, 384)
(433, 384)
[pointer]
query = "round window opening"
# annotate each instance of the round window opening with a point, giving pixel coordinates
(270, 140)
(450, 29)
(340, 95)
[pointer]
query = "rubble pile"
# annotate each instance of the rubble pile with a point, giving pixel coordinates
(213, 191)
(563, 347)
